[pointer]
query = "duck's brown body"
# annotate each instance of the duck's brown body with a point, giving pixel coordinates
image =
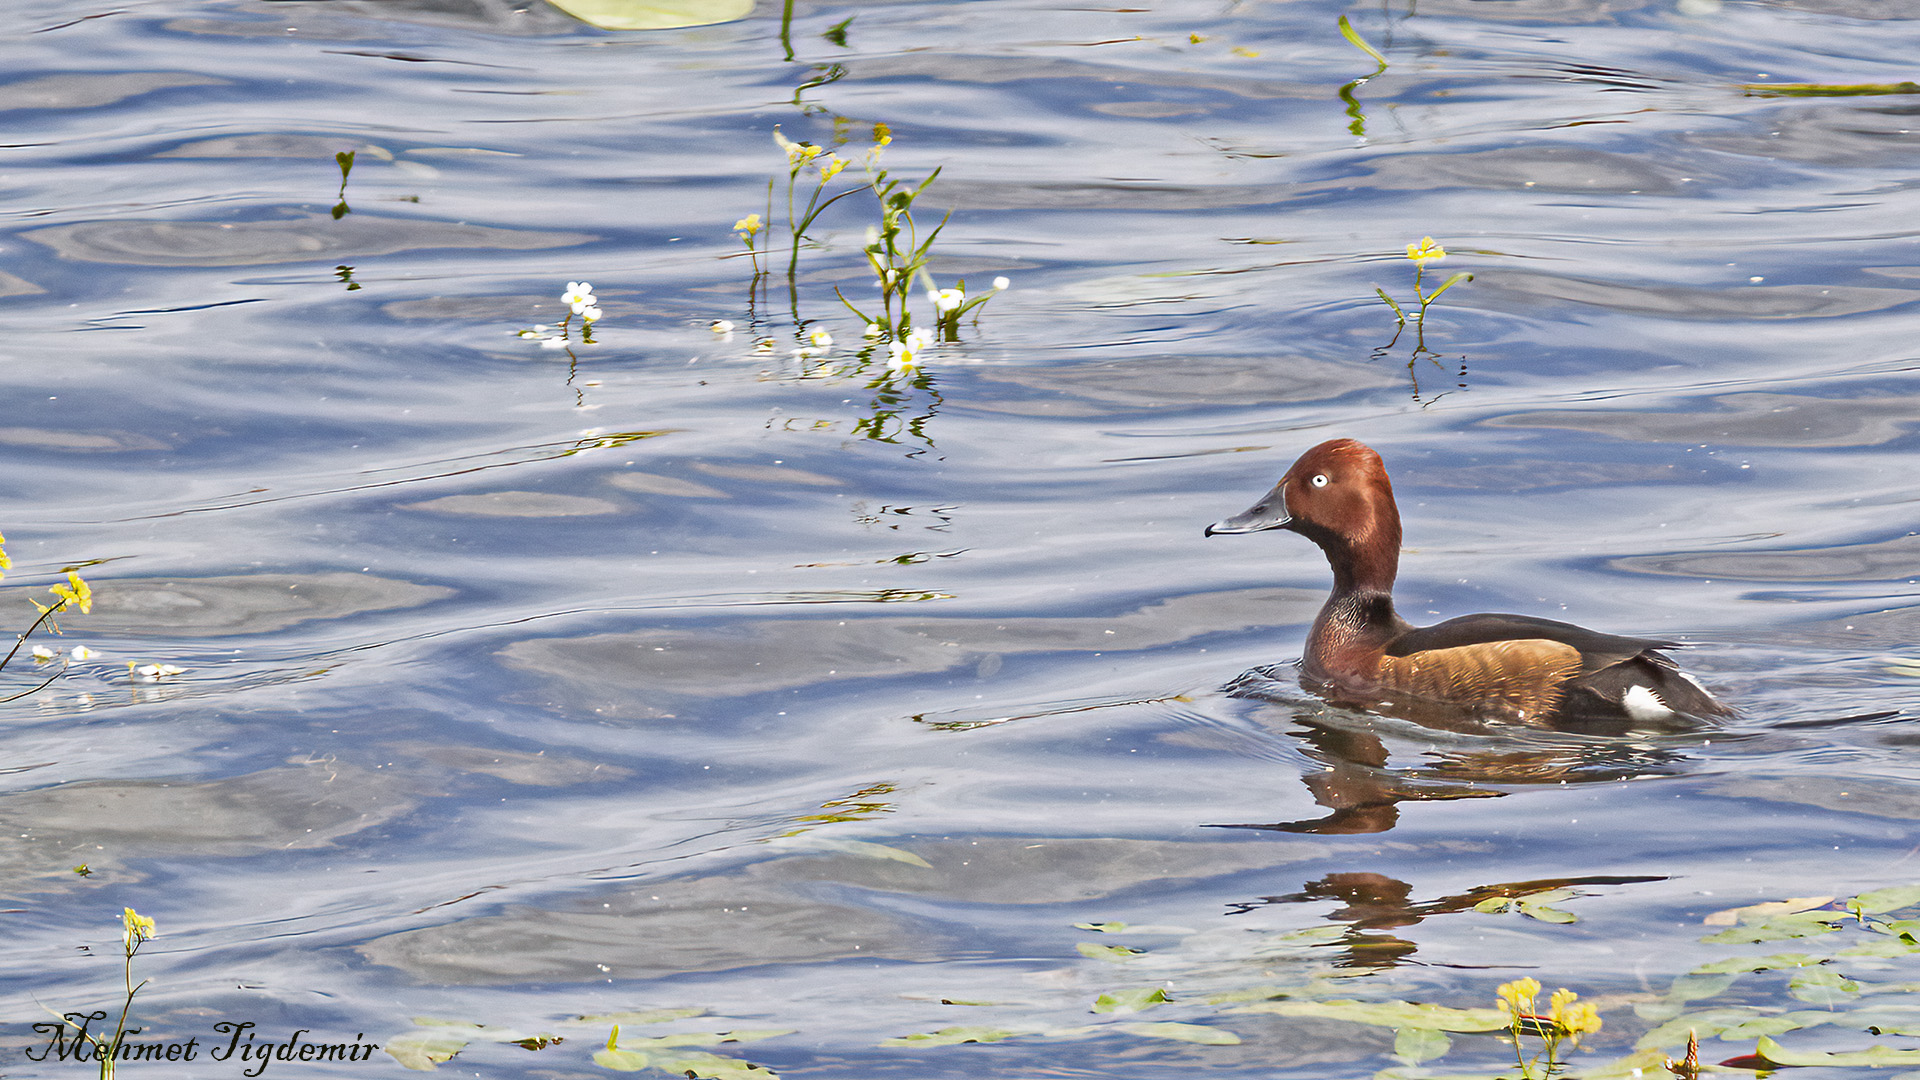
(1498, 667)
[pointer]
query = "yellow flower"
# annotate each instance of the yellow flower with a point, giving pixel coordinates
(1517, 996)
(76, 593)
(1582, 1019)
(882, 134)
(1426, 251)
(748, 225)
(831, 167)
(798, 153)
(138, 927)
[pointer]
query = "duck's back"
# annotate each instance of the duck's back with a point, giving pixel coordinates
(1615, 677)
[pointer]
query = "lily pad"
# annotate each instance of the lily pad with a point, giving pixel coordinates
(953, 1036)
(1193, 1033)
(423, 1050)
(1116, 953)
(1884, 900)
(1878, 1055)
(1415, 1045)
(654, 14)
(1130, 1001)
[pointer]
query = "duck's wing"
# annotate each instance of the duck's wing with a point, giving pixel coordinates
(1597, 650)
(1618, 676)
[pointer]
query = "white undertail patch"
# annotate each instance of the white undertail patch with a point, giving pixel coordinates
(1642, 703)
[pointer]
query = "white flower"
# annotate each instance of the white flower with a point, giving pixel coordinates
(81, 652)
(946, 301)
(821, 339)
(1001, 284)
(902, 358)
(590, 313)
(873, 329)
(553, 343)
(156, 672)
(579, 296)
(42, 654)
(721, 326)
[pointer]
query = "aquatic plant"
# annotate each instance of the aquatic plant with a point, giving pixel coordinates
(1562, 1026)
(580, 303)
(666, 1053)
(897, 252)
(1422, 252)
(135, 930)
(74, 594)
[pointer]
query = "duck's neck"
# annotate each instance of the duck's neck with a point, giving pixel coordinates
(1358, 619)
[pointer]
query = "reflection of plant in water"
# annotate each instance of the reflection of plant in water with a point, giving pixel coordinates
(344, 159)
(1359, 125)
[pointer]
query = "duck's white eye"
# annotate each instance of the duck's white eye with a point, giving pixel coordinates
(1319, 480)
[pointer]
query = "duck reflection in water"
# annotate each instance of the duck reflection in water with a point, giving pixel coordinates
(1371, 903)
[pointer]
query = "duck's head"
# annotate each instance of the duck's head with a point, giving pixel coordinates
(1338, 496)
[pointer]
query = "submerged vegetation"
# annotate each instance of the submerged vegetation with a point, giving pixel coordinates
(1200, 985)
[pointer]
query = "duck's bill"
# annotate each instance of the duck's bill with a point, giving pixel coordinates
(1269, 513)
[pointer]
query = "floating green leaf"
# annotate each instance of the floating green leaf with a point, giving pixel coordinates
(1414, 1045)
(619, 1060)
(1117, 953)
(954, 1036)
(1828, 89)
(1822, 986)
(1532, 905)
(1900, 896)
(1758, 963)
(1875, 1056)
(423, 1050)
(1101, 927)
(654, 14)
(714, 1067)
(1130, 1001)
(1193, 1033)
(1884, 947)
(1781, 928)
(1393, 1014)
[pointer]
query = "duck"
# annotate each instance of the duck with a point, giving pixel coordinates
(1498, 667)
